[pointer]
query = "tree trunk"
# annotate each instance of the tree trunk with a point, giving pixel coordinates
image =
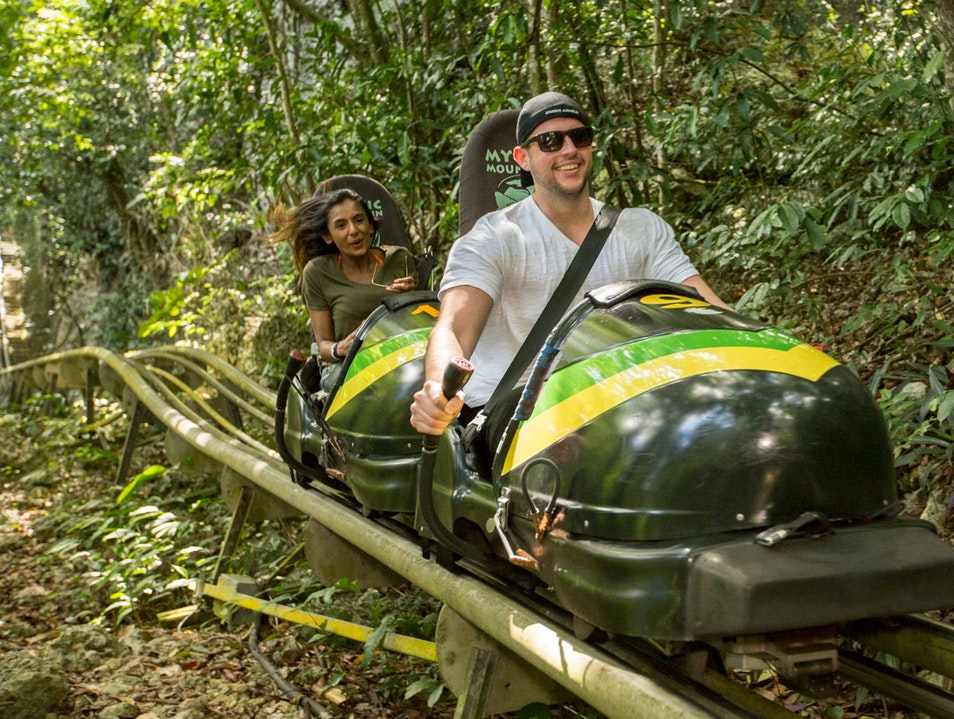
(275, 49)
(534, 56)
(945, 31)
(553, 58)
(367, 25)
(659, 76)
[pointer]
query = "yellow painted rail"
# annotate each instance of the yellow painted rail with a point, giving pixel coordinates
(400, 643)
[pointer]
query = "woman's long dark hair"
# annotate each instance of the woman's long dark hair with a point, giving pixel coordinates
(305, 226)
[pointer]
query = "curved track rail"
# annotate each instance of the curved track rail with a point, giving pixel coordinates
(201, 400)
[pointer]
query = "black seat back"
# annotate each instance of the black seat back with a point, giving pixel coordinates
(490, 179)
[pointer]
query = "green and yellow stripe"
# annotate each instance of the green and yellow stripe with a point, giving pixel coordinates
(375, 362)
(583, 391)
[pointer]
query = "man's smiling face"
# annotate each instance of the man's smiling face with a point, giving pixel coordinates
(564, 172)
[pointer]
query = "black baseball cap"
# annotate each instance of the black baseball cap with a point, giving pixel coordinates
(546, 107)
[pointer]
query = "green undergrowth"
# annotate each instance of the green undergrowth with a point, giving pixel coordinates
(132, 552)
(126, 553)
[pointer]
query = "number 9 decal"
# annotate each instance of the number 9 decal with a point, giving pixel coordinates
(673, 302)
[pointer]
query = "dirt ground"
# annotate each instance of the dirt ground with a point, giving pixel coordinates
(169, 672)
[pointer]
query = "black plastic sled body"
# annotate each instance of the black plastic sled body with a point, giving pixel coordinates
(682, 472)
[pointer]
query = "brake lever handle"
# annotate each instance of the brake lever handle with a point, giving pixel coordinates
(456, 374)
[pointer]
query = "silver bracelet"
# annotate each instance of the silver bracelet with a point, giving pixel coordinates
(334, 353)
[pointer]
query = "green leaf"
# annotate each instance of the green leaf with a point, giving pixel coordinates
(742, 107)
(913, 143)
(860, 695)
(897, 88)
(404, 150)
(917, 139)
(435, 695)
(752, 55)
(675, 14)
(815, 234)
(790, 214)
(423, 684)
(945, 410)
(901, 215)
(374, 641)
(151, 472)
(754, 296)
(934, 64)
(764, 97)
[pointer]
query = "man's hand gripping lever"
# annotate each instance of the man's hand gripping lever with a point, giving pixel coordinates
(456, 374)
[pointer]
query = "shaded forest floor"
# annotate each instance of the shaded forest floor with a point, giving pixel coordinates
(194, 670)
(53, 485)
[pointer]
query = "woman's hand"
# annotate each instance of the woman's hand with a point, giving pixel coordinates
(344, 344)
(402, 284)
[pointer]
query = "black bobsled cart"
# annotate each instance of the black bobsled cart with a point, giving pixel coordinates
(676, 471)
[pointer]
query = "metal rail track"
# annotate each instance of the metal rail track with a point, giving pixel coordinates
(915, 640)
(620, 679)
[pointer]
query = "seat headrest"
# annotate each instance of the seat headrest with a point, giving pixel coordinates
(489, 176)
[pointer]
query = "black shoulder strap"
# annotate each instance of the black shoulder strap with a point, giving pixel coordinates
(557, 305)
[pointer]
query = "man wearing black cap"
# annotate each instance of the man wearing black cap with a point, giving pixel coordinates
(500, 275)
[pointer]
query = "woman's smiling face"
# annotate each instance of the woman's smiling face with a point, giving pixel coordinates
(349, 228)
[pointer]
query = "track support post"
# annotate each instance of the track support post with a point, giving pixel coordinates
(471, 704)
(90, 395)
(486, 676)
(50, 389)
(132, 436)
(234, 531)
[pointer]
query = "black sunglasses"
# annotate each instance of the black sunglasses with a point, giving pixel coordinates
(553, 141)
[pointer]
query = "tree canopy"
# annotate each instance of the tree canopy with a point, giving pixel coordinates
(135, 135)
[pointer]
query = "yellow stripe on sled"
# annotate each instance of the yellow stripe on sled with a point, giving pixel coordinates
(355, 385)
(563, 418)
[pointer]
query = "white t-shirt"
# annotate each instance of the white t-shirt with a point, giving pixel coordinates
(518, 257)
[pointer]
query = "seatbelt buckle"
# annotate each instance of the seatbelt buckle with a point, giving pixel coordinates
(472, 430)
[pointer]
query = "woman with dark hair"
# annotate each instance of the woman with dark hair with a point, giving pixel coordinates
(343, 277)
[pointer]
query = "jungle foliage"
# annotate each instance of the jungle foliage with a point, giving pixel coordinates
(801, 149)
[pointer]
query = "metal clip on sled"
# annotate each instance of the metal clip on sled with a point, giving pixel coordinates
(296, 361)
(808, 524)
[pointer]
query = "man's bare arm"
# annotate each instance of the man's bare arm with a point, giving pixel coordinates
(699, 284)
(464, 312)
